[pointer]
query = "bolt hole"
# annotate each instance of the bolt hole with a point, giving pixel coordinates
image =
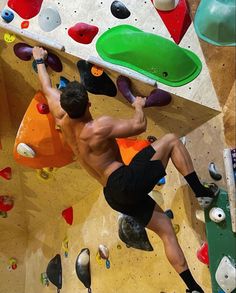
(165, 74)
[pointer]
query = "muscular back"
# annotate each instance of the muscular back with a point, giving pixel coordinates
(97, 153)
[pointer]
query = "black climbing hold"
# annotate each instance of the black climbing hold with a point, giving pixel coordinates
(214, 172)
(98, 85)
(169, 214)
(54, 271)
(82, 267)
(119, 10)
(133, 234)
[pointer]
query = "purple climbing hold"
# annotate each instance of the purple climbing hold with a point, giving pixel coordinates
(24, 52)
(54, 62)
(119, 10)
(124, 86)
(157, 97)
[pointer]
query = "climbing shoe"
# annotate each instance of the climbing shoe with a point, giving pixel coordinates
(205, 201)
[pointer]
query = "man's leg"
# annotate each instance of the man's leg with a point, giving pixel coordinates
(162, 226)
(169, 146)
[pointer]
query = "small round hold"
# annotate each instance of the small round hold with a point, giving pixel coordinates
(169, 214)
(103, 251)
(176, 228)
(44, 175)
(7, 15)
(43, 108)
(119, 10)
(108, 264)
(151, 138)
(96, 71)
(25, 151)
(217, 215)
(9, 37)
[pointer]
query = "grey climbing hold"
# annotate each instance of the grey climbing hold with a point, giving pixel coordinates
(49, 19)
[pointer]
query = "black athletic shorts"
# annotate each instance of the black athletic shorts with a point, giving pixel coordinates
(128, 187)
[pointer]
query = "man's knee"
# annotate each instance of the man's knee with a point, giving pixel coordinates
(171, 139)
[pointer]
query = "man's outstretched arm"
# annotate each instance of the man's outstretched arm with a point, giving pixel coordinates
(52, 94)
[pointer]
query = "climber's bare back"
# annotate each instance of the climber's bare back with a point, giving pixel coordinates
(98, 155)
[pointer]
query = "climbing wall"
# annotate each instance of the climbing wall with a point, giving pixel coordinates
(13, 227)
(194, 112)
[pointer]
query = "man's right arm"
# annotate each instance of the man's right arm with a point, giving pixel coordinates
(108, 127)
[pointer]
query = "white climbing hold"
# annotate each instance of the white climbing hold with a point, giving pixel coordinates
(165, 5)
(25, 151)
(49, 19)
(217, 215)
(226, 275)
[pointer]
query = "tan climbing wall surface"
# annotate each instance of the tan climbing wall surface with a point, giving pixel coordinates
(13, 229)
(39, 204)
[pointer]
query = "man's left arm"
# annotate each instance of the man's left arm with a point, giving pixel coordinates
(52, 94)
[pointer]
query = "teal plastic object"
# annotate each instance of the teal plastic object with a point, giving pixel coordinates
(215, 22)
(149, 54)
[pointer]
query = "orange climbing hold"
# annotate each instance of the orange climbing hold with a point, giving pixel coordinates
(129, 147)
(38, 132)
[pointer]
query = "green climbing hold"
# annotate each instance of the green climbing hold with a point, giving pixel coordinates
(149, 54)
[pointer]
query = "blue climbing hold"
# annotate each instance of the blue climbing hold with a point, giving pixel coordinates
(63, 83)
(7, 15)
(162, 181)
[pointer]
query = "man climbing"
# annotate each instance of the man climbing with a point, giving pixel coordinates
(126, 188)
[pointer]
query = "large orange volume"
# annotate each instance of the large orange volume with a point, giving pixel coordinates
(37, 131)
(129, 147)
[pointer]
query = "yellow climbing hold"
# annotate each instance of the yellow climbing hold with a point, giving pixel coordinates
(9, 38)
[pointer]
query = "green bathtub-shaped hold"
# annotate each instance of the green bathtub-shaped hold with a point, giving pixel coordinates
(149, 54)
(215, 22)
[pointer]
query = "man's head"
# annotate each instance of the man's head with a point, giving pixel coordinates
(74, 99)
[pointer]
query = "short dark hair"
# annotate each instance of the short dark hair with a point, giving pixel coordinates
(74, 99)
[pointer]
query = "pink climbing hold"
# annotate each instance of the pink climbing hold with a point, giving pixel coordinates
(6, 173)
(67, 214)
(25, 8)
(83, 33)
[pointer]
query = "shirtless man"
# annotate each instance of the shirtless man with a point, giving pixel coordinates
(126, 188)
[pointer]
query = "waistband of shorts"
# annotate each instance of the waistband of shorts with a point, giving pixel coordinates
(113, 174)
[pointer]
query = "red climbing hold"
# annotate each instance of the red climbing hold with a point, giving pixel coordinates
(67, 214)
(6, 203)
(177, 21)
(25, 8)
(43, 108)
(83, 33)
(25, 24)
(202, 254)
(6, 173)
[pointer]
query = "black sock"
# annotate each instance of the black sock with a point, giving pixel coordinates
(190, 282)
(197, 186)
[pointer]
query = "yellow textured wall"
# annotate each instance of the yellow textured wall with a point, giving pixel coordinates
(13, 229)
